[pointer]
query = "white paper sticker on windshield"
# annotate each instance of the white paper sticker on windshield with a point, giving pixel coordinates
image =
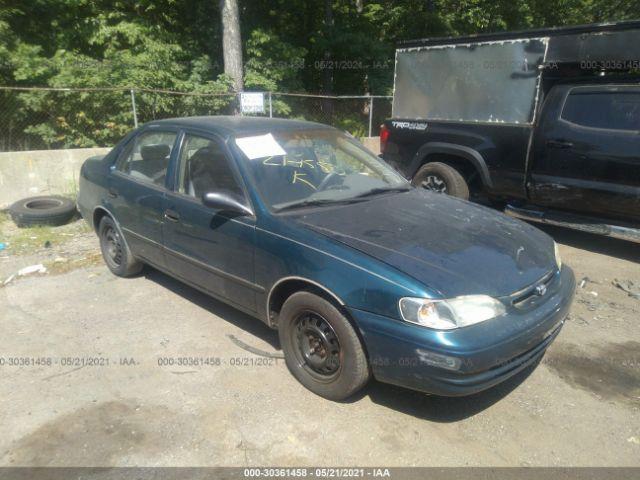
(260, 146)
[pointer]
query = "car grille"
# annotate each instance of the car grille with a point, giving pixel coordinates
(537, 292)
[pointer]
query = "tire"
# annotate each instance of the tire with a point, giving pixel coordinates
(335, 376)
(442, 178)
(43, 210)
(115, 251)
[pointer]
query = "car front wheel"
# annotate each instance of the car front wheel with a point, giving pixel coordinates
(321, 348)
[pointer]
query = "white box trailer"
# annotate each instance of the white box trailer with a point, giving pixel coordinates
(501, 77)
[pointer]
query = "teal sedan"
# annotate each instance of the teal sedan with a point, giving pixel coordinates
(298, 225)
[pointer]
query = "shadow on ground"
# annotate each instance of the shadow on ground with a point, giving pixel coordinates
(236, 317)
(416, 404)
(608, 370)
(442, 409)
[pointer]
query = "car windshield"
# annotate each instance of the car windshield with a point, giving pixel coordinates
(298, 168)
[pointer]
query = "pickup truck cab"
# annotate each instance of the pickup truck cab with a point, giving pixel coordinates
(586, 151)
(572, 158)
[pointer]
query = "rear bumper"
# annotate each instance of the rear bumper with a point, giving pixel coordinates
(468, 360)
(85, 210)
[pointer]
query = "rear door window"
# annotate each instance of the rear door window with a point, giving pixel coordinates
(147, 156)
(605, 110)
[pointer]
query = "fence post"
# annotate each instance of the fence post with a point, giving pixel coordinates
(270, 107)
(133, 108)
(370, 115)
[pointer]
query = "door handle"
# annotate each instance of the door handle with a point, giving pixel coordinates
(172, 215)
(112, 192)
(557, 143)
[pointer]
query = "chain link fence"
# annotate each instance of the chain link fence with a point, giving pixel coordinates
(359, 115)
(47, 118)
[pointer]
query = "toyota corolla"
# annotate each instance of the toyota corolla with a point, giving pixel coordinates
(298, 225)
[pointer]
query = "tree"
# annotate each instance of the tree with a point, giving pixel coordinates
(231, 42)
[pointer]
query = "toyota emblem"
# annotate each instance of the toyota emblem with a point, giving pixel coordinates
(541, 290)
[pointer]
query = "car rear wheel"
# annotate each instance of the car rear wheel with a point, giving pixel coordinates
(321, 348)
(115, 250)
(442, 178)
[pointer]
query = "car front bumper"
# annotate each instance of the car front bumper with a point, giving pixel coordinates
(466, 360)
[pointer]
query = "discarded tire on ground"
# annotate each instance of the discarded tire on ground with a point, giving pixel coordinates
(43, 210)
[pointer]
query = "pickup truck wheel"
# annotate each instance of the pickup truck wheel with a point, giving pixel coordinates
(321, 348)
(115, 250)
(441, 178)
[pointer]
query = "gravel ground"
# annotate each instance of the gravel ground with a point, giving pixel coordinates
(580, 407)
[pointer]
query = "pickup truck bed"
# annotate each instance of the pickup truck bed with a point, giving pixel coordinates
(531, 120)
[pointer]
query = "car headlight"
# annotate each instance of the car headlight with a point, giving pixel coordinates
(556, 252)
(452, 313)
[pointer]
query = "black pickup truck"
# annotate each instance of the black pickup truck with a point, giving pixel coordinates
(543, 123)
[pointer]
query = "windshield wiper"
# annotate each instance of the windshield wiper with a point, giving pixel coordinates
(314, 203)
(343, 201)
(377, 191)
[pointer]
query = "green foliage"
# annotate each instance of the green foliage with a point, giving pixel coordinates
(331, 46)
(272, 63)
(115, 54)
(352, 125)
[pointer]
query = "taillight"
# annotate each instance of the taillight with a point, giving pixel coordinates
(384, 136)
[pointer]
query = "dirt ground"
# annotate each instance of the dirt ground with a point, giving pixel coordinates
(91, 374)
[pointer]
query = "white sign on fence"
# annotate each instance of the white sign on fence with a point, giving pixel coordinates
(252, 102)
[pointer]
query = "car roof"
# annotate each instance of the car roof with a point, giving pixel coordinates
(236, 125)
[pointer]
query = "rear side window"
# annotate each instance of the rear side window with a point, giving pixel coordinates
(608, 110)
(147, 157)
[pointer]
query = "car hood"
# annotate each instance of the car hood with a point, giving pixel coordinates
(449, 245)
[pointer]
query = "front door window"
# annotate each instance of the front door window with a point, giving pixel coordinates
(204, 168)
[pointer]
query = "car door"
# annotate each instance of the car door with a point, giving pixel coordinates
(587, 152)
(210, 249)
(137, 187)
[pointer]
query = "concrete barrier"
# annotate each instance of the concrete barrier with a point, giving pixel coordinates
(55, 172)
(41, 172)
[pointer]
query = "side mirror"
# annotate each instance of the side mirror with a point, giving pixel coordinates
(225, 203)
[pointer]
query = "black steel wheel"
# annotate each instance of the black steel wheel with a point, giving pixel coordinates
(115, 250)
(113, 247)
(317, 346)
(321, 348)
